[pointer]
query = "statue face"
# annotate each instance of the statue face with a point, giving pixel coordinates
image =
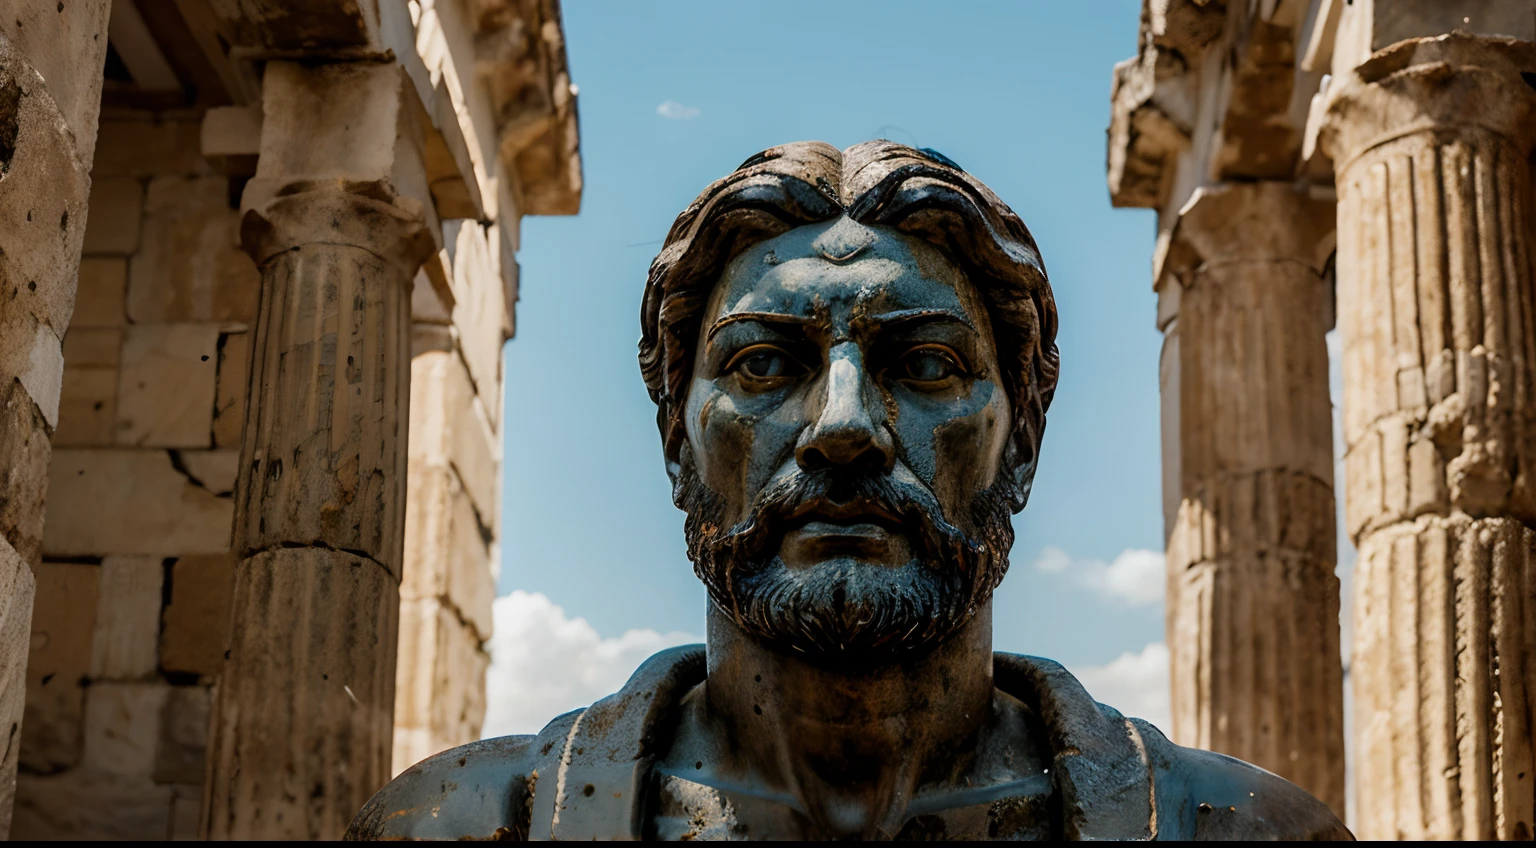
(846, 423)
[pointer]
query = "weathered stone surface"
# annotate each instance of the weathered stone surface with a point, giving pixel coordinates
(231, 386)
(145, 147)
(116, 210)
(17, 587)
(82, 804)
(189, 266)
(307, 701)
(439, 682)
(63, 630)
(214, 470)
(195, 625)
(125, 501)
(24, 474)
(122, 724)
(43, 187)
(449, 427)
(127, 640)
(479, 312)
(87, 407)
(43, 375)
(1253, 604)
(101, 297)
(186, 811)
(67, 47)
(96, 347)
(1431, 141)
(183, 741)
(447, 555)
(165, 395)
(321, 495)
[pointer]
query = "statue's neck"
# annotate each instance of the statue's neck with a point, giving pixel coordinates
(852, 745)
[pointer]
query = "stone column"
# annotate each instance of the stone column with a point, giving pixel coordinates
(1253, 603)
(1431, 140)
(50, 96)
(303, 724)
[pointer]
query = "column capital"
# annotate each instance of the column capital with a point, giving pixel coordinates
(390, 227)
(1452, 82)
(1266, 221)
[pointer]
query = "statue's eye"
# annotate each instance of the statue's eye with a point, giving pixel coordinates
(762, 363)
(929, 364)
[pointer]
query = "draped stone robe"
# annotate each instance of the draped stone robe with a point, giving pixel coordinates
(591, 774)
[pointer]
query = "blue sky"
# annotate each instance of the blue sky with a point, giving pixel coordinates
(1018, 94)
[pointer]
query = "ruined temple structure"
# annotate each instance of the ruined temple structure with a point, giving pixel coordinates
(1364, 164)
(256, 271)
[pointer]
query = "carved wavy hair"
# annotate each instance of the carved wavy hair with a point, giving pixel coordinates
(879, 183)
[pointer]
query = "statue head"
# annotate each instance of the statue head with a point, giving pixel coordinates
(851, 354)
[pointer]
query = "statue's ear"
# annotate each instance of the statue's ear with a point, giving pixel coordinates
(1019, 462)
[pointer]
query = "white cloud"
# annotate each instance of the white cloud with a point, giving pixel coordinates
(677, 111)
(1136, 684)
(1135, 578)
(544, 663)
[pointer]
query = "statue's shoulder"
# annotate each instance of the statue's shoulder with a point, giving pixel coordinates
(477, 791)
(1209, 796)
(1121, 778)
(544, 785)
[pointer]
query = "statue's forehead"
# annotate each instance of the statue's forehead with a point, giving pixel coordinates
(841, 262)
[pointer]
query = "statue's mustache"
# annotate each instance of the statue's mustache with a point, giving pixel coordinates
(914, 507)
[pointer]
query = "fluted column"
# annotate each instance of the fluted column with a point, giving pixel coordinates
(1253, 603)
(303, 723)
(1431, 140)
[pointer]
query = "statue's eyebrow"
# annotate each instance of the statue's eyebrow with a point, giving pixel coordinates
(760, 317)
(915, 316)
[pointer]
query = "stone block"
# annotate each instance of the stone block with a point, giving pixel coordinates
(24, 472)
(87, 408)
(446, 554)
(63, 628)
(116, 207)
(183, 743)
(43, 374)
(231, 387)
(101, 298)
(150, 148)
(186, 810)
(439, 678)
(93, 346)
(189, 266)
(81, 804)
(130, 502)
(195, 624)
(165, 392)
(127, 639)
(479, 312)
(449, 426)
(122, 727)
(215, 470)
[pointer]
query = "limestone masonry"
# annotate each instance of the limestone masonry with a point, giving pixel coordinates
(1363, 164)
(240, 271)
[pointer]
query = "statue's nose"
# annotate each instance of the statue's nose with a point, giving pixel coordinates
(849, 430)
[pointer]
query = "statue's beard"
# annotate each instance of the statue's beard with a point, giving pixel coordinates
(847, 610)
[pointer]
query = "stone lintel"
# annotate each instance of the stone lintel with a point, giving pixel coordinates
(314, 29)
(1369, 26)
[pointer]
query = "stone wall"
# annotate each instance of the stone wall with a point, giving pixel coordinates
(132, 611)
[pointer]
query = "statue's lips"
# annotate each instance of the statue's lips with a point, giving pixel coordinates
(845, 515)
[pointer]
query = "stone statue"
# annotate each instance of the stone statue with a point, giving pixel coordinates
(851, 354)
